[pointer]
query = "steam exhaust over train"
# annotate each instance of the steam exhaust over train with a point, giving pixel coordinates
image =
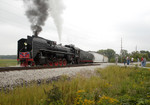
(36, 50)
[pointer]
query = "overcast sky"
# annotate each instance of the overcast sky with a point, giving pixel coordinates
(88, 24)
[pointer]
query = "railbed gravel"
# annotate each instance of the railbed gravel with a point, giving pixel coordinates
(15, 78)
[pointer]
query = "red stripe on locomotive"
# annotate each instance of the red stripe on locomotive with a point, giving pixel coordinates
(24, 55)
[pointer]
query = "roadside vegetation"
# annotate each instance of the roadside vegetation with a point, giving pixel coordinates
(148, 65)
(8, 62)
(113, 85)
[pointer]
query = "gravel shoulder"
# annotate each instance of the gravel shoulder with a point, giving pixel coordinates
(14, 78)
(11, 78)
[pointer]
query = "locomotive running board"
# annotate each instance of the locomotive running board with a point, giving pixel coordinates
(56, 52)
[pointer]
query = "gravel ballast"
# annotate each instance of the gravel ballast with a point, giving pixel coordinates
(11, 78)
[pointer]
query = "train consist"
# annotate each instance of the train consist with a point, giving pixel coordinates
(35, 51)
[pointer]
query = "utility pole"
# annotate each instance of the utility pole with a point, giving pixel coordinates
(121, 50)
(136, 48)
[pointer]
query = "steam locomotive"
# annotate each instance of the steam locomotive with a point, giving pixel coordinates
(35, 51)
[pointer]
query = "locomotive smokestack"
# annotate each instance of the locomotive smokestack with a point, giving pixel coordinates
(36, 29)
(35, 33)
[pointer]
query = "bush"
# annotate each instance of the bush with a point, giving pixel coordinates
(112, 60)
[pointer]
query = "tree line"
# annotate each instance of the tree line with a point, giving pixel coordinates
(111, 54)
(8, 56)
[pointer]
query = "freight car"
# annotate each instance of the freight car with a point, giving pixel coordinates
(99, 58)
(35, 51)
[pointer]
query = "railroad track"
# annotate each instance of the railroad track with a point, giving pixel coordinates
(6, 69)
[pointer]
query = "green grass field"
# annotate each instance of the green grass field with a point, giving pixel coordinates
(8, 62)
(110, 86)
(148, 65)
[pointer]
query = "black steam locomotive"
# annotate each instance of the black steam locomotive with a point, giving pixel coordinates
(35, 51)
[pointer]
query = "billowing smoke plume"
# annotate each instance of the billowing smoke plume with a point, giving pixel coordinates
(37, 13)
(56, 10)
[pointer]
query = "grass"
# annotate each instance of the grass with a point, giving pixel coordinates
(8, 62)
(148, 65)
(110, 86)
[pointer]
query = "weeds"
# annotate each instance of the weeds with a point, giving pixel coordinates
(111, 86)
(8, 62)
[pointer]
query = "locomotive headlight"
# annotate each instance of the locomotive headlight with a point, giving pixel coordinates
(25, 43)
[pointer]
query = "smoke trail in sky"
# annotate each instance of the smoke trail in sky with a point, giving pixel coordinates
(37, 13)
(56, 10)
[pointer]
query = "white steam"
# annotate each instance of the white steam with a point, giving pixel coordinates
(56, 10)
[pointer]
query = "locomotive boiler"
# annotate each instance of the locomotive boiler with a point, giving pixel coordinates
(35, 51)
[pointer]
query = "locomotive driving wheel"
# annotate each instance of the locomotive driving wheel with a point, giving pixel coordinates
(64, 62)
(50, 63)
(60, 62)
(45, 65)
(55, 62)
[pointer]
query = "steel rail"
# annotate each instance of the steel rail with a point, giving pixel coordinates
(6, 69)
